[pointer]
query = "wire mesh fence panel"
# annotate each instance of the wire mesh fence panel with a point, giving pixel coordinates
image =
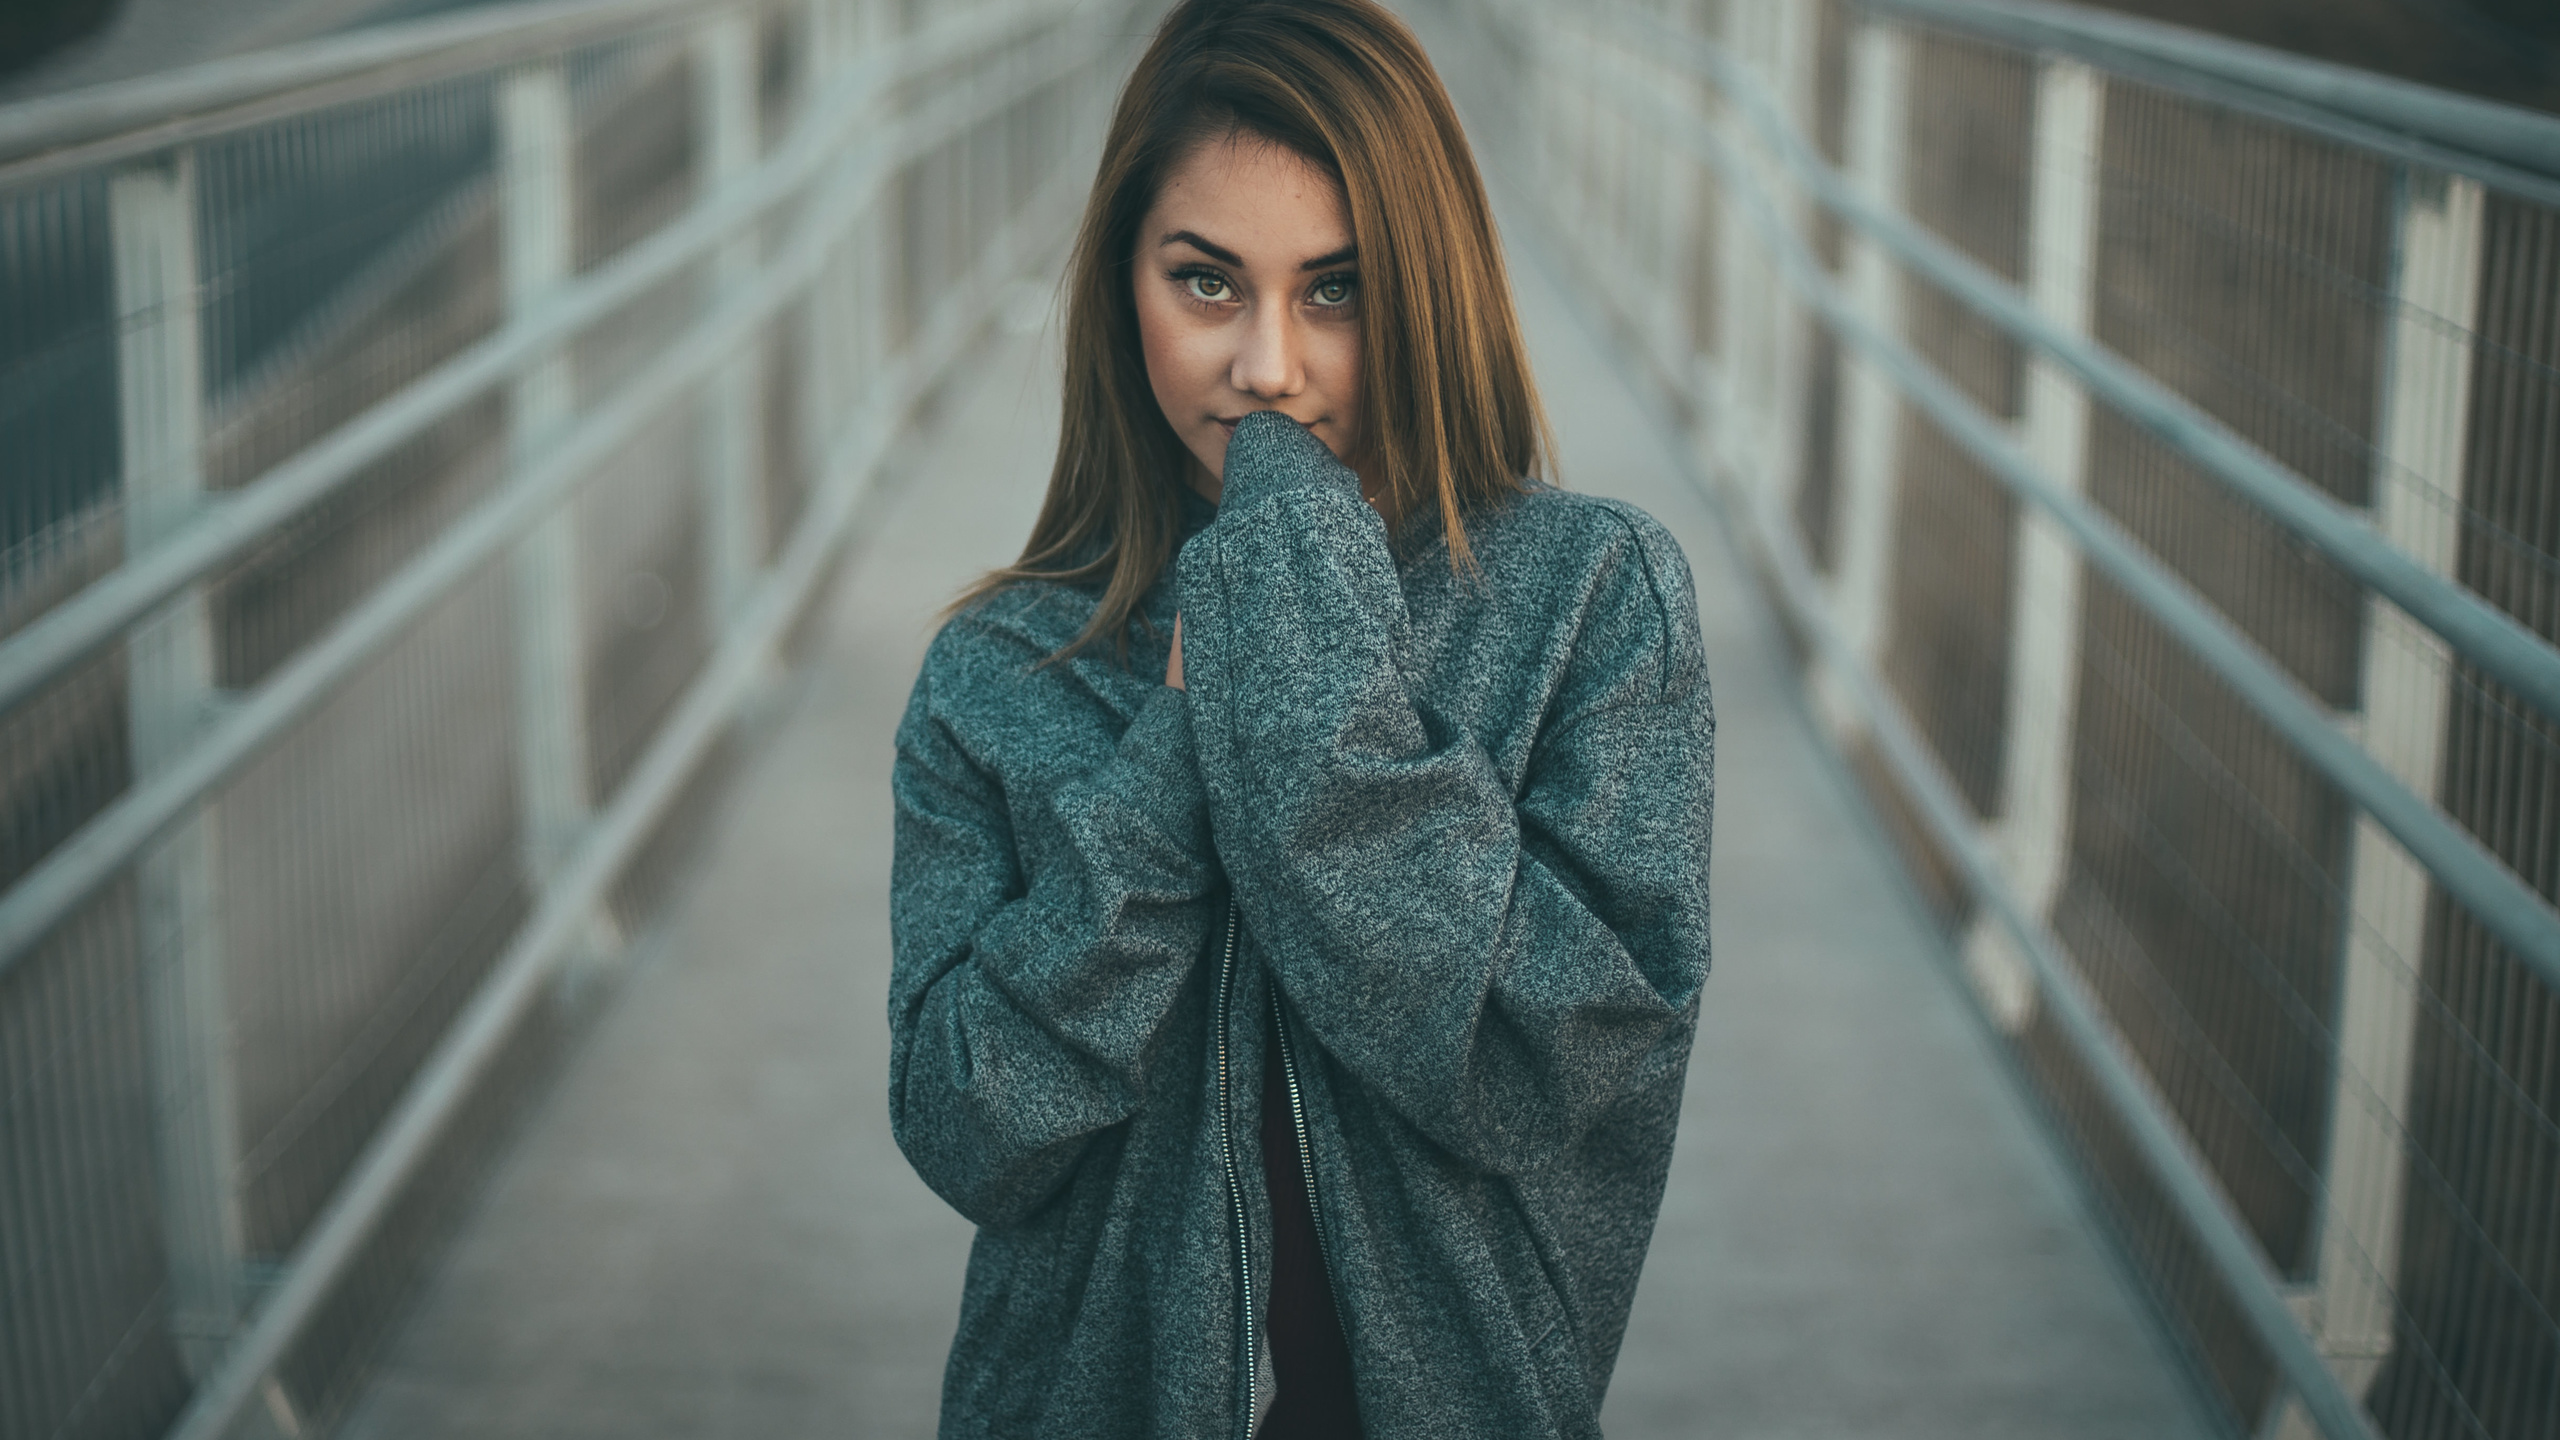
(2210, 931)
(547, 434)
(86, 1344)
(2212, 1334)
(2247, 269)
(2244, 267)
(63, 757)
(2361, 1079)
(647, 611)
(1955, 530)
(1965, 177)
(57, 394)
(346, 253)
(351, 942)
(633, 159)
(86, 1348)
(2478, 1347)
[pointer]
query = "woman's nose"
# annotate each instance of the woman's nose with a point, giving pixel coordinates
(1267, 365)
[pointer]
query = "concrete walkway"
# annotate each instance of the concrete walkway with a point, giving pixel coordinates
(707, 1230)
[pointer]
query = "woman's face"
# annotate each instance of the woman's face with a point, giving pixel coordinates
(1248, 297)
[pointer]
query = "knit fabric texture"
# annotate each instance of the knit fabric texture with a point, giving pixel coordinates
(1461, 820)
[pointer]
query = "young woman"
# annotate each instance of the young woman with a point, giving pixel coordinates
(1301, 888)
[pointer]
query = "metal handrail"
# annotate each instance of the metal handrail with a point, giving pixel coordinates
(2480, 632)
(104, 845)
(516, 981)
(38, 654)
(813, 190)
(2501, 899)
(102, 124)
(2491, 141)
(2164, 1151)
(2466, 869)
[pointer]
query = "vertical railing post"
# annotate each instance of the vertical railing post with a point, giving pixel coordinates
(873, 293)
(2408, 672)
(965, 221)
(1710, 261)
(1744, 284)
(170, 690)
(1611, 248)
(1794, 52)
(1571, 149)
(2032, 835)
(998, 181)
(1870, 404)
(1675, 181)
(730, 468)
(1728, 401)
(824, 384)
(553, 775)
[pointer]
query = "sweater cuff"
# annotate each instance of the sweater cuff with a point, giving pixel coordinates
(1271, 454)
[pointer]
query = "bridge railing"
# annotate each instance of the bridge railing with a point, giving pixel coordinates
(418, 446)
(2154, 445)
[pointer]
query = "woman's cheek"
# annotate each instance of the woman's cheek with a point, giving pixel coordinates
(1173, 369)
(1341, 361)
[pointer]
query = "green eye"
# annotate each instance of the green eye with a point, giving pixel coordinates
(1333, 290)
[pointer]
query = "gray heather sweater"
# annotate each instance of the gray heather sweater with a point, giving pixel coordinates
(1458, 825)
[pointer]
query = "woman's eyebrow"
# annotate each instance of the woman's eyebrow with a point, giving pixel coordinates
(1225, 256)
(1219, 253)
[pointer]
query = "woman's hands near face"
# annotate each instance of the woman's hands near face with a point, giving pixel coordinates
(1173, 662)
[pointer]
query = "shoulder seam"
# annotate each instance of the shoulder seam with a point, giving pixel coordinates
(1653, 587)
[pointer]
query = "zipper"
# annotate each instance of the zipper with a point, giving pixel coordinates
(1307, 1159)
(1235, 1184)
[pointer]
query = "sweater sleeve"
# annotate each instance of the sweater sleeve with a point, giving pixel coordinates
(1499, 968)
(1040, 940)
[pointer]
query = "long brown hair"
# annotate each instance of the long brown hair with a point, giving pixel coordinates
(1450, 418)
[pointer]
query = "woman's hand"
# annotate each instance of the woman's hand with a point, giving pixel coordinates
(1173, 662)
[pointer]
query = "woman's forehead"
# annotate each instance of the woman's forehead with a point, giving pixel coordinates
(1262, 203)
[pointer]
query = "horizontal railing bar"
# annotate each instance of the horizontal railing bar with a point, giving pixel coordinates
(2136, 1107)
(232, 525)
(112, 838)
(479, 1035)
(2476, 878)
(2395, 147)
(2165, 1150)
(2488, 637)
(122, 119)
(2500, 899)
(2378, 104)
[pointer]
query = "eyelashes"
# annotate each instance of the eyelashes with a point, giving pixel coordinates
(1203, 285)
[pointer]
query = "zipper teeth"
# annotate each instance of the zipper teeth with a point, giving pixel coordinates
(1307, 1159)
(1235, 1187)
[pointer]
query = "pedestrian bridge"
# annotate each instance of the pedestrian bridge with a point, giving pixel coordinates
(477, 491)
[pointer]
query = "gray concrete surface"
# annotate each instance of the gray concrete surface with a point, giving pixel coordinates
(707, 1231)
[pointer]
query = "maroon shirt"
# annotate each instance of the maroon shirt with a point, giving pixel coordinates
(1307, 1349)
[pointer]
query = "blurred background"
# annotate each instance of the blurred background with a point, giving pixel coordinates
(477, 476)
(50, 45)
